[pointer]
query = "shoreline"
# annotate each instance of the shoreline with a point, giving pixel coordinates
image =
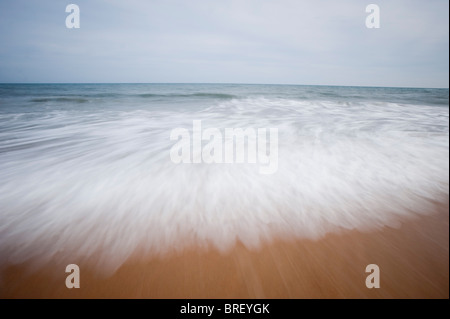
(413, 261)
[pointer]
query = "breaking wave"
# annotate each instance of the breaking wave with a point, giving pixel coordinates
(98, 185)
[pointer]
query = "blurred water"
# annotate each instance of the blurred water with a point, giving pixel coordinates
(85, 169)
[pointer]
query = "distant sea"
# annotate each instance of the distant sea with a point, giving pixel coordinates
(85, 169)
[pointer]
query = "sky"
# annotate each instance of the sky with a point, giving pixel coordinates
(322, 42)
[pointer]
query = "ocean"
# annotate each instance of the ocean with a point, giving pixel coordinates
(86, 169)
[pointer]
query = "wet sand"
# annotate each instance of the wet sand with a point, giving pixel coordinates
(413, 261)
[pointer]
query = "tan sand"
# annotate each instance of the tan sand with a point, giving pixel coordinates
(413, 261)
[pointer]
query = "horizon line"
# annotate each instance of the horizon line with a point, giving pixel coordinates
(229, 83)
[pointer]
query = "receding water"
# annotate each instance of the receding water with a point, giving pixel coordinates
(85, 169)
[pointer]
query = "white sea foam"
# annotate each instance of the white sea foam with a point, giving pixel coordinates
(81, 185)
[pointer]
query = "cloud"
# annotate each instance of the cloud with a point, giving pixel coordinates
(286, 41)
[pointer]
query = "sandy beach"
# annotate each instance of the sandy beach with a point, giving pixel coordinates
(413, 261)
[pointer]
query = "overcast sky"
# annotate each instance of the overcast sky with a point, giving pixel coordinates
(226, 41)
